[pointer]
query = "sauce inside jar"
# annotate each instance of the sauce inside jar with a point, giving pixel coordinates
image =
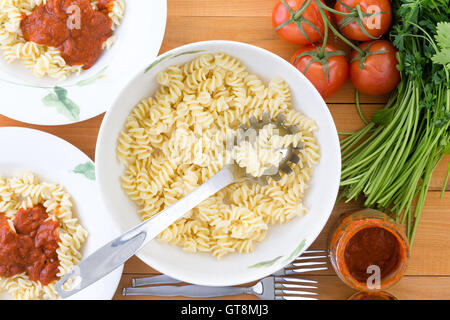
(368, 250)
(372, 247)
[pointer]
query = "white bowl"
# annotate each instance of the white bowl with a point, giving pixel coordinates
(283, 242)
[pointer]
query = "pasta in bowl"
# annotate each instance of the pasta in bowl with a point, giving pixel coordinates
(195, 93)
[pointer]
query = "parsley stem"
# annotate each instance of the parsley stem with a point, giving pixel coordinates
(445, 181)
(358, 107)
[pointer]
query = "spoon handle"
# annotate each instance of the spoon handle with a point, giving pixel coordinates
(115, 253)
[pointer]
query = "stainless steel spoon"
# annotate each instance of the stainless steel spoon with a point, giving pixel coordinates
(115, 253)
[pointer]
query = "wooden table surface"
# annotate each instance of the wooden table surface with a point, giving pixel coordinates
(428, 274)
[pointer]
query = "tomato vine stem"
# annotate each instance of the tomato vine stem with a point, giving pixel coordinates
(298, 19)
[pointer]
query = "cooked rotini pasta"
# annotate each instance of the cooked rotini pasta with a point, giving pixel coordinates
(42, 60)
(259, 153)
(175, 140)
(25, 192)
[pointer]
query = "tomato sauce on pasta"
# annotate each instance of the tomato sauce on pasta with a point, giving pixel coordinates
(72, 26)
(31, 249)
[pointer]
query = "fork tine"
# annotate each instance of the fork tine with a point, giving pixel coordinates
(295, 283)
(293, 286)
(313, 251)
(290, 279)
(295, 271)
(308, 264)
(287, 291)
(304, 256)
(310, 258)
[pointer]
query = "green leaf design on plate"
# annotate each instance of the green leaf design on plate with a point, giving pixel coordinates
(171, 56)
(157, 62)
(87, 169)
(62, 103)
(85, 82)
(189, 52)
(296, 252)
(266, 263)
(92, 79)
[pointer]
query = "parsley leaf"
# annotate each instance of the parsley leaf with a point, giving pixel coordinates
(443, 35)
(443, 40)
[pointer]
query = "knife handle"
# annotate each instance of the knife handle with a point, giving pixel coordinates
(189, 291)
(139, 282)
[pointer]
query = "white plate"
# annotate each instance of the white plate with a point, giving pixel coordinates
(283, 242)
(55, 160)
(138, 41)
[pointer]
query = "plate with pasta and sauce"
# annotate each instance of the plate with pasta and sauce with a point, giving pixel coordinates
(50, 216)
(167, 134)
(63, 61)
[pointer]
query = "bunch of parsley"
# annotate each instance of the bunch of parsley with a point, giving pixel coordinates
(391, 160)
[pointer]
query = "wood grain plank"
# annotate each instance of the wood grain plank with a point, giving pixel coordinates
(332, 288)
(408, 288)
(83, 135)
(220, 8)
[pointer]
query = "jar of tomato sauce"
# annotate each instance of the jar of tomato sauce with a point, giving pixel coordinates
(377, 295)
(368, 250)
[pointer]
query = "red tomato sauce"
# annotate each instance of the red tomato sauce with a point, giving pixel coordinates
(105, 5)
(32, 248)
(372, 246)
(55, 24)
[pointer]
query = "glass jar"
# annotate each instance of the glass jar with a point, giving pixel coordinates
(378, 295)
(368, 250)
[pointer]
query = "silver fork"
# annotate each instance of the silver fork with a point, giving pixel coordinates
(275, 287)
